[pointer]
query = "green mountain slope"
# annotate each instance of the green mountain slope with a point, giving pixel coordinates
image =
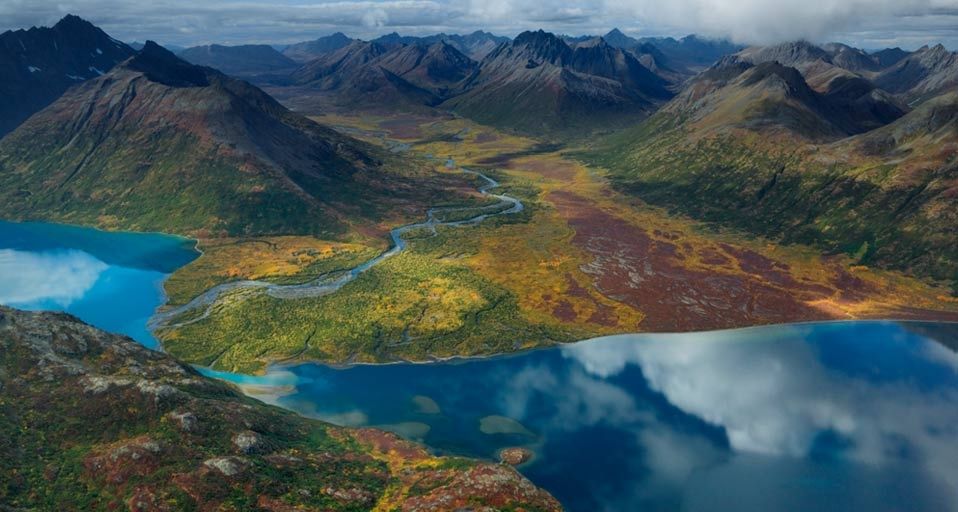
(94, 421)
(776, 158)
(159, 144)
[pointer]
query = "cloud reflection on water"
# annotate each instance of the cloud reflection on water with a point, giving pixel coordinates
(775, 397)
(59, 277)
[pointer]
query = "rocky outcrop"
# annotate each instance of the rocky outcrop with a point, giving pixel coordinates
(515, 456)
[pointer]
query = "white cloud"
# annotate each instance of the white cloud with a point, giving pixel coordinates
(376, 18)
(58, 276)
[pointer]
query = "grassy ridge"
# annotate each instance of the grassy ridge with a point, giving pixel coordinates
(183, 188)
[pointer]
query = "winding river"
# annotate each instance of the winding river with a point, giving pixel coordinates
(330, 283)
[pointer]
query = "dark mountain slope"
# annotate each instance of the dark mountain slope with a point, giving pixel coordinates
(477, 44)
(309, 50)
(676, 74)
(690, 52)
(852, 59)
(438, 68)
(814, 63)
(616, 38)
(924, 74)
(94, 421)
(160, 144)
(693, 52)
(39, 64)
(889, 57)
(243, 60)
(342, 62)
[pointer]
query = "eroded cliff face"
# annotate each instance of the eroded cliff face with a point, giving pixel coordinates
(94, 421)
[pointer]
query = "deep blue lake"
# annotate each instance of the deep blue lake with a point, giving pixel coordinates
(829, 416)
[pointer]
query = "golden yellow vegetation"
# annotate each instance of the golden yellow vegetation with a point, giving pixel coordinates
(281, 259)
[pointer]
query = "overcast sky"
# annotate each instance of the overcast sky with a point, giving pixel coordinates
(864, 23)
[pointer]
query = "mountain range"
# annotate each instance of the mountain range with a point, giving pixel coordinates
(864, 139)
(538, 83)
(690, 52)
(370, 74)
(477, 75)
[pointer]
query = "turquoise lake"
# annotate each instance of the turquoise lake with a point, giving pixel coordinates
(828, 416)
(111, 280)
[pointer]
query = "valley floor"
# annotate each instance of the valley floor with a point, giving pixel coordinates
(581, 260)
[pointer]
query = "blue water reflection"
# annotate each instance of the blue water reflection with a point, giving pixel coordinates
(834, 416)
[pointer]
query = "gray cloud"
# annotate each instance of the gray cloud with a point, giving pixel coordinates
(868, 23)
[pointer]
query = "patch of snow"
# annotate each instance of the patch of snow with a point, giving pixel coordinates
(34, 69)
(74, 77)
(95, 70)
(99, 51)
(22, 45)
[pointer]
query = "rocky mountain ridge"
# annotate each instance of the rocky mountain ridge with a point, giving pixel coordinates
(40, 64)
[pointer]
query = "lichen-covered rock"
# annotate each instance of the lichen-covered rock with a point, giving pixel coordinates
(249, 442)
(228, 466)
